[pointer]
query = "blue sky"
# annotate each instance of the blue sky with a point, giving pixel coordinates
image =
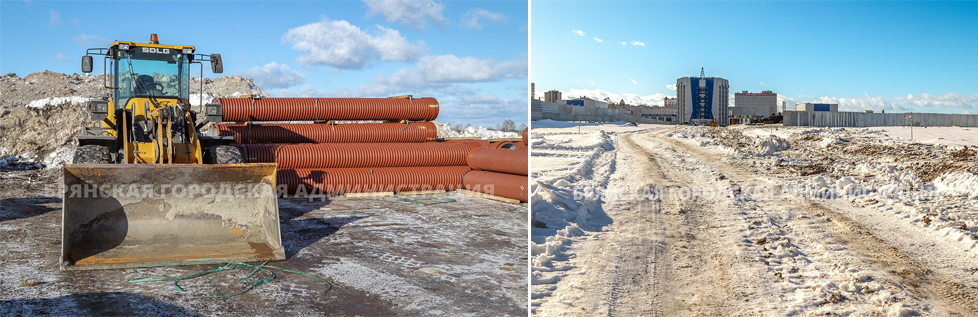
(471, 55)
(897, 56)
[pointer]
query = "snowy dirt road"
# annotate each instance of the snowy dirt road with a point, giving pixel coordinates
(699, 228)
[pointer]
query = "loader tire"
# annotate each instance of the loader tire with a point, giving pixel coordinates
(225, 154)
(91, 154)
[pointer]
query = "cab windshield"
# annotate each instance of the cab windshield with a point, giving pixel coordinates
(151, 72)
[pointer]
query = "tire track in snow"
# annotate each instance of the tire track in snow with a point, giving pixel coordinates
(688, 273)
(912, 275)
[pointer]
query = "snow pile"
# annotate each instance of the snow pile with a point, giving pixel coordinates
(445, 131)
(545, 142)
(19, 162)
(199, 100)
(556, 206)
(696, 137)
(829, 141)
(959, 183)
(560, 208)
(769, 145)
(58, 158)
(53, 101)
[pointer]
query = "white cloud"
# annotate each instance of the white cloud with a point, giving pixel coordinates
(433, 72)
(633, 81)
(637, 43)
(471, 18)
(630, 98)
(903, 103)
(599, 40)
(274, 75)
(444, 69)
(578, 32)
(450, 68)
(761, 83)
(343, 45)
(413, 13)
(671, 86)
(947, 100)
(624, 43)
(55, 19)
(787, 101)
(864, 103)
(60, 57)
(92, 40)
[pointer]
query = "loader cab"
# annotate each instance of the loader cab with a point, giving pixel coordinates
(150, 72)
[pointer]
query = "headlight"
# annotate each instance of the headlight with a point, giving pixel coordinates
(124, 47)
(188, 51)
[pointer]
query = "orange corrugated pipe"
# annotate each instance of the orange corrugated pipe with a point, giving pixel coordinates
(330, 133)
(474, 144)
(512, 145)
(526, 136)
(498, 160)
(352, 155)
(311, 109)
(499, 184)
(365, 180)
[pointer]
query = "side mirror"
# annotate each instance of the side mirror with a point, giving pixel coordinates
(86, 64)
(217, 66)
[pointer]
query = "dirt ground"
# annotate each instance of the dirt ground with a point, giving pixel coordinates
(745, 252)
(466, 257)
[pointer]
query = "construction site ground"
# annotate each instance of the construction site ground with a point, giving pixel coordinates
(466, 257)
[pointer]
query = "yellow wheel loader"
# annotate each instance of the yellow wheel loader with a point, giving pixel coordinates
(146, 188)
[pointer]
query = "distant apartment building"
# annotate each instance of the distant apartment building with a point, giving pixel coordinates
(553, 96)
(755, 104)
(702, 99)
(670, 103)
(587, 103)
(661, 114)
(809, 107)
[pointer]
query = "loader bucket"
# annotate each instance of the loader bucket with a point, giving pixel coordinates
(127, 215)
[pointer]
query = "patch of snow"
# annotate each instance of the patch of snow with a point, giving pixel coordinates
(199, 100)
(770, 145)
(63, 155)
(445, 131)
(959, 183)
(51, 101)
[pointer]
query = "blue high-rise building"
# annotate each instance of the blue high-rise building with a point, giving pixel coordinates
(703, 99)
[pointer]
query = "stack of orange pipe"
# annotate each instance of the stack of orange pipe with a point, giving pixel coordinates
(325, 109)
(352, 155)
(330, 133)
(498, 171)
(347, 158)
(374, 179)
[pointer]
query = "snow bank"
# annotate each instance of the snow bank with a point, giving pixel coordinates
(199, 100)
(52, 101)
(959, 183)
(445, 131)
(556, 207)
(769, 145)
(829, 141)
